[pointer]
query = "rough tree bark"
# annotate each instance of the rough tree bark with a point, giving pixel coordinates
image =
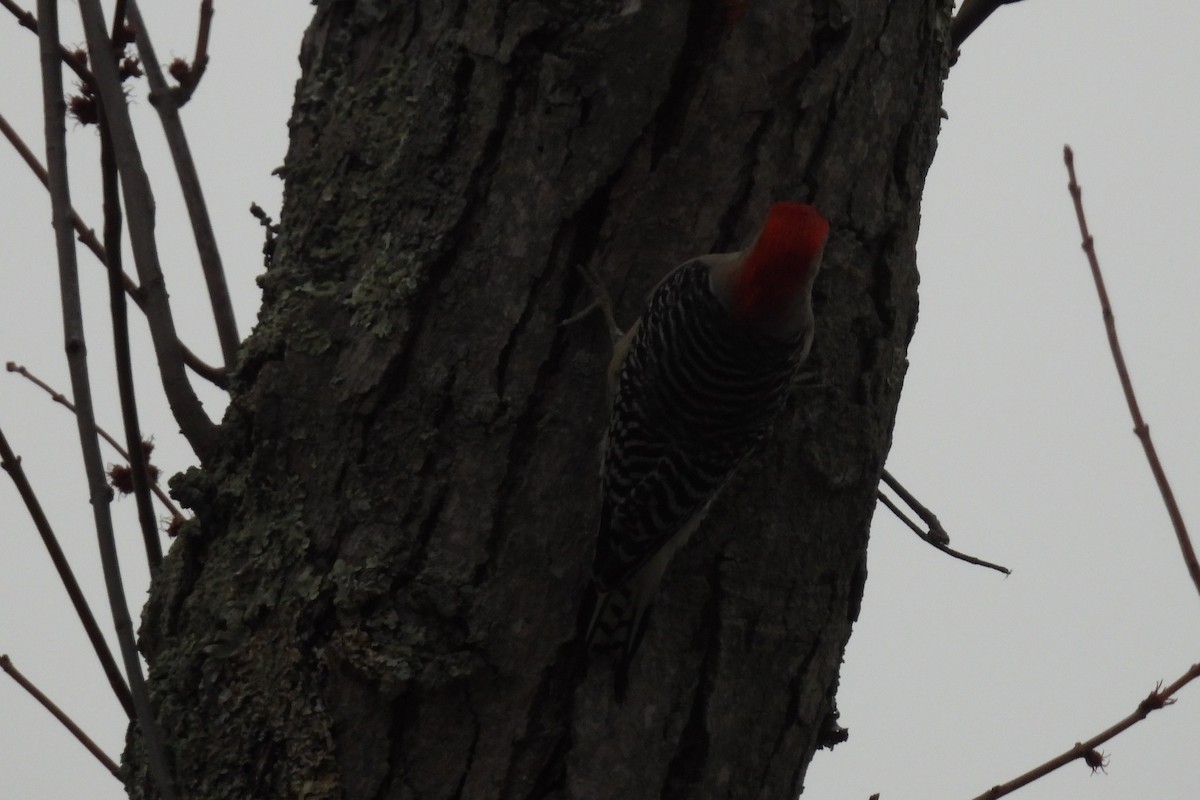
(379, 598)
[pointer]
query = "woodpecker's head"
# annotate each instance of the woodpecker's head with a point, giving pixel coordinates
(771, 284)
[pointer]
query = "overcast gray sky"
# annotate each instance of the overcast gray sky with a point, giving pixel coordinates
(1012, 425)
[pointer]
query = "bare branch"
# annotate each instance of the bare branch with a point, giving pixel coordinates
(189, 412)
(971, 14)
(100, 495)
(1087, 750)
(933, 541)
(200, 60)
(214, 375)
(12, 465)
(86, 235)
(118, 21)
(122, 356)
(195, 71)
(167, 105)
(28, 20)
(936, 531)
(68, 723)
(1140, 428)
(61, 399)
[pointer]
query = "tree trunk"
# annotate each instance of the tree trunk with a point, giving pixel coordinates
(380, 597)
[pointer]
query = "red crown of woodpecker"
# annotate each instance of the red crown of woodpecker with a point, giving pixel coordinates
(781, 262)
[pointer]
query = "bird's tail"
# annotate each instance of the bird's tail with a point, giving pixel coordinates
(614, 620)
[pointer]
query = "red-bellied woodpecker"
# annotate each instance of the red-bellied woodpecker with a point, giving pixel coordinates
(696, 382)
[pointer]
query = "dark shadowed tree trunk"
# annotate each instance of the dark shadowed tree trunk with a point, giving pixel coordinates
(379, 600)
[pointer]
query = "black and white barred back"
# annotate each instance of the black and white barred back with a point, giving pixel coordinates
(696, 393)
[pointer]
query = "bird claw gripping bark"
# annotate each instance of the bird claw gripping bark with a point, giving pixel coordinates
(600, 300)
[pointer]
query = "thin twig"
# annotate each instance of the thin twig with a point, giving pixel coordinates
(138, 472)
(71, 59)
(61, 399)
(68, 723)
(933, 542)
(72, 309)
(970, 16)
(12, 465)
(1140, 428)
(118, 22)
(936, 531)
(88, 237)
(86, 234)
(1087, 750)
(186, 407)
(200, 61)
(167, 105)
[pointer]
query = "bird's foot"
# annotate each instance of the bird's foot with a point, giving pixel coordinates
(600, 300)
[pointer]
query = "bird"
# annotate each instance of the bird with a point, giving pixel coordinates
(694, 384)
